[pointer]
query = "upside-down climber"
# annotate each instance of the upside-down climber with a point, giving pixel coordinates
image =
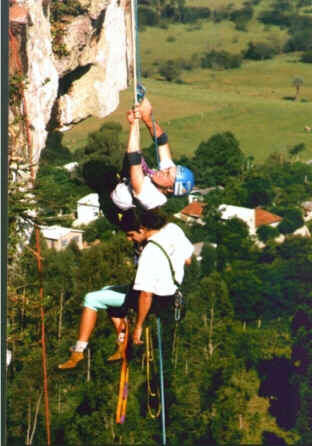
(140, 184)
(153, 288)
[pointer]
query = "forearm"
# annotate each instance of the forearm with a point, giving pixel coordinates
(144, 305)
(135, 170)
(134, 137)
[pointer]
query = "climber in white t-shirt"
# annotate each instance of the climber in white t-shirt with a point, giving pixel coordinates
(153, 288)
(143, 185)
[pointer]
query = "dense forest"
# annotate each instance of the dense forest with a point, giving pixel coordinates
(238, 367)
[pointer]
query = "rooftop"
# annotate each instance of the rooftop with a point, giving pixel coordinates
(90, 200)
(194, 209)
(55, 232)
(265, 218)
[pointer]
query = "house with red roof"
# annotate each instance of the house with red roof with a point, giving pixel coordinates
(192, 213)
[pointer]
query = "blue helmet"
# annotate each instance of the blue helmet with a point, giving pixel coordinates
(184, 181)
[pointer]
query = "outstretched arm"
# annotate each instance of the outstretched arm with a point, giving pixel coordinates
(134, 158)
(145, 109)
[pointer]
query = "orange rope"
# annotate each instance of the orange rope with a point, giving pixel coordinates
(123, 384)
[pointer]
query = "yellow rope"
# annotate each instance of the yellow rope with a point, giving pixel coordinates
(151, 369)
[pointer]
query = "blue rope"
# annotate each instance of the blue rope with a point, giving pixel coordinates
(162, 391)
(139, 87)
(155, 143)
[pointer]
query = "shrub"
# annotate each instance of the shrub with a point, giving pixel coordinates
(170, 70)
(171, 39)
(221, 60)
(259, 51)
(266, 233)
(147, 16)
(242, 15)
(300, 41)
(292, 220)
(192, 14)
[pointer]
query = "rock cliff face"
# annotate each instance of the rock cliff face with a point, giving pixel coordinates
(71, 67)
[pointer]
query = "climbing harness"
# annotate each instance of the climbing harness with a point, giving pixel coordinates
(153, 395)
(123, 383)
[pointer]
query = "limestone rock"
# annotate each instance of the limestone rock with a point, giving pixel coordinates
(84, 79)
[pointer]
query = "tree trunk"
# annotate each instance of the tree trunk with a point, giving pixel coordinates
(89, 365)
(240, 417)
(30, 436)
(59, 399)
(60, 321)
(210, 342)
(186, 370)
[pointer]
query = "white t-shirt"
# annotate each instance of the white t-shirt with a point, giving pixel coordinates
(149, 197)
(153, 273)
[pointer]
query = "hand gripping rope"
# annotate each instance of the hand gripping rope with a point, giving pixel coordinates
(123, 384)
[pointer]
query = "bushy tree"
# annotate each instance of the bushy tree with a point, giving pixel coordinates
(307, 56)
(102, 158)
(259, 51)
(292, 220)
(259, 191)
(217, 159)
(266, 233)
(221, 60)
(170, 70)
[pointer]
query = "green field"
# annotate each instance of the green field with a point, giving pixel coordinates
(253, 102)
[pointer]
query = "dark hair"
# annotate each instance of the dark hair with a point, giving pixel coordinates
(135, 218)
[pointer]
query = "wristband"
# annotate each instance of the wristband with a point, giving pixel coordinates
(134, 158)
(162, 139)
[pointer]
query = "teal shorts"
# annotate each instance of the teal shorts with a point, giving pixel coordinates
(108, 296)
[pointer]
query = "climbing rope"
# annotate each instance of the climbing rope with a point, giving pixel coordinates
(123, 383)
(162, 387)
(153, 396)
(138, 89)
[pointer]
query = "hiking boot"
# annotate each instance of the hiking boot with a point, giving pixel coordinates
(73, 361)
(119, 353)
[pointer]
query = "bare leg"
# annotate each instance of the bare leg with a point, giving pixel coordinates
(120, 327)
(87, 323)
(118, 323)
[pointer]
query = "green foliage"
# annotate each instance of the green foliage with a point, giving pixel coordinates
(266, 233)
(259, 51)
(242, 16)
(259, 191)
(56, 192)
(55, 153)
(221, 60)
(66, 7)
(100, 229)
(16, 85)
(170, 70)
(217, 159)
(307, 56)
(292, 220)
(101, 160)
(147, 16)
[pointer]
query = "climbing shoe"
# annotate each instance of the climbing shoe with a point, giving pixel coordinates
(73, 361)
(119, 353)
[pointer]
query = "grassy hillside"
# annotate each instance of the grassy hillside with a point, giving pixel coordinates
(254, 102)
